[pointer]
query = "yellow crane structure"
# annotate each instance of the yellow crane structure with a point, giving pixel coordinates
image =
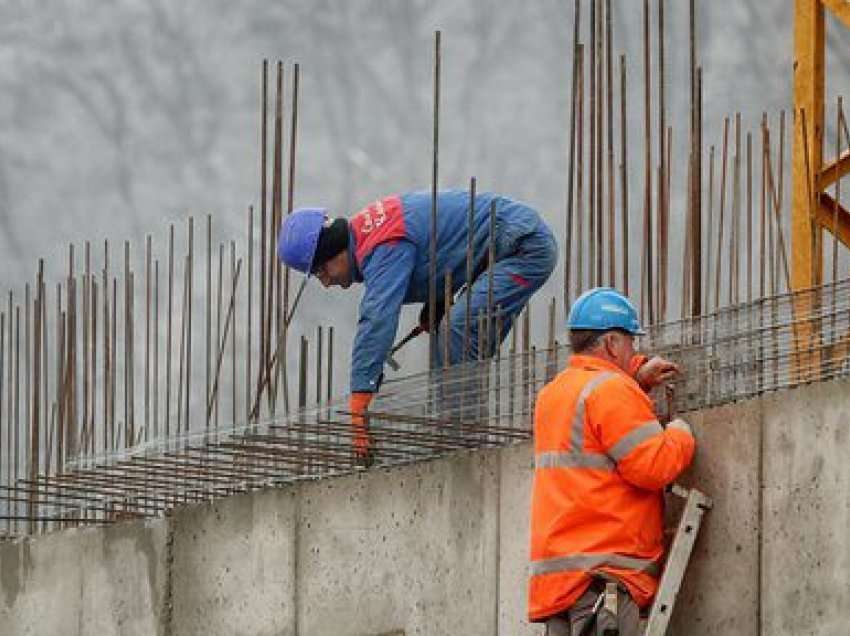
(813, 210)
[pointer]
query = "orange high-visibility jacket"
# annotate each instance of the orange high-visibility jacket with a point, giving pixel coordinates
(601, 463)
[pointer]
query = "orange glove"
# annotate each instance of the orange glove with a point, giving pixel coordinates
(358, 403)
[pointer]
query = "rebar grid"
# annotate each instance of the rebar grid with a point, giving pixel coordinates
(735, 353)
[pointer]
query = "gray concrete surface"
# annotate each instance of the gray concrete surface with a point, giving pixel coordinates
(719, 595)
(441, 547)
(806, 547)
(234, 565)
(85, 581)
(435, 523)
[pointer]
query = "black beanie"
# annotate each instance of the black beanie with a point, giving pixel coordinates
(333, 239)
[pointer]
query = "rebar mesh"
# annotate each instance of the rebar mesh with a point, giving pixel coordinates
(729, 355)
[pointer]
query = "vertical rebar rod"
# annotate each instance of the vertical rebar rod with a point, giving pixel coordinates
(480, 393)
(10, 427)
(249, 342)
(498, 379)
(646, 286)
(25, 424)
(572, 158)
(209, 293)
(695, 156)
(771, 252)
(106, 348)
(219, 343)
(132, 440)
(233, 332)
(735, 239)
(710, 232)
(447, 328)
(470, 239)
(526, 343)
(86, 351)
(330, 363)
(183, 311)
(17, 397)
(60, 384)
(600, 133)
(668, 171)
(662, 176)
(114, 364)
(720, 224)
(550, 343)
(128, 432)
(763, 211)
(191, 267)
(319, 343)
(168, 329)
(148, 257)
(156, 348)
(579, 177)
(730, 294)
(686, 253)
(432, 247)
(624, 177)
(34, 452)
(290, 194)
(512, 358)
(263, 359)
(44, 370)
(302, 395)
(837, 190)
(92, 423)
(591, 187)
(750, 250)
(491, 270)
(71, 339)
(275, 290)
(609, 100)
(781, 161)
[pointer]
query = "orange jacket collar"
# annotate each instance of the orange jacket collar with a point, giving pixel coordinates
(593, 363)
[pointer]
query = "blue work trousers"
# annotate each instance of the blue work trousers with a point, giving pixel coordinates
(522, 266)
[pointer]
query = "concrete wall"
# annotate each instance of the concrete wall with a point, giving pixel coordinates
(441, 547)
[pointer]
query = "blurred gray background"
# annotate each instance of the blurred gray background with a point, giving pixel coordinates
(119, 118)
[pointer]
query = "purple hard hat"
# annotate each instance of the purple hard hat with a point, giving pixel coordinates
(299, 236)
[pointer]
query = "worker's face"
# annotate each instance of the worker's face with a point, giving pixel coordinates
(620, 347)
(336, 271)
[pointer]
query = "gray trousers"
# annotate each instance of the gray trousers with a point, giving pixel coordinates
(573, 621)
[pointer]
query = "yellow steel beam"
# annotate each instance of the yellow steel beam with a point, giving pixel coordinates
(840, 8)
(834, 171)
(807, 159)
(809, 58)
(833, 218)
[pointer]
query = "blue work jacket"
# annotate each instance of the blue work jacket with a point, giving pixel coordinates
(389, 253)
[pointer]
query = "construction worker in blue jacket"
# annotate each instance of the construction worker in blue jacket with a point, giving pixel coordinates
(386, 247)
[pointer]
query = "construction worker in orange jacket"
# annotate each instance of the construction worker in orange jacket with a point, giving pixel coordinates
(602, 461)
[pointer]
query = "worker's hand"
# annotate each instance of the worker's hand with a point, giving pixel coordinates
(357, 404)
(682, 425)
(656, 371)
(424, 316)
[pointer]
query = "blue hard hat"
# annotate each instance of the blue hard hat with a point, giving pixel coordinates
(299, 236)
(603, 309)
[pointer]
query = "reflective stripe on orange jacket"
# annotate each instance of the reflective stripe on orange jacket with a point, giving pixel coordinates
(601, 463)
